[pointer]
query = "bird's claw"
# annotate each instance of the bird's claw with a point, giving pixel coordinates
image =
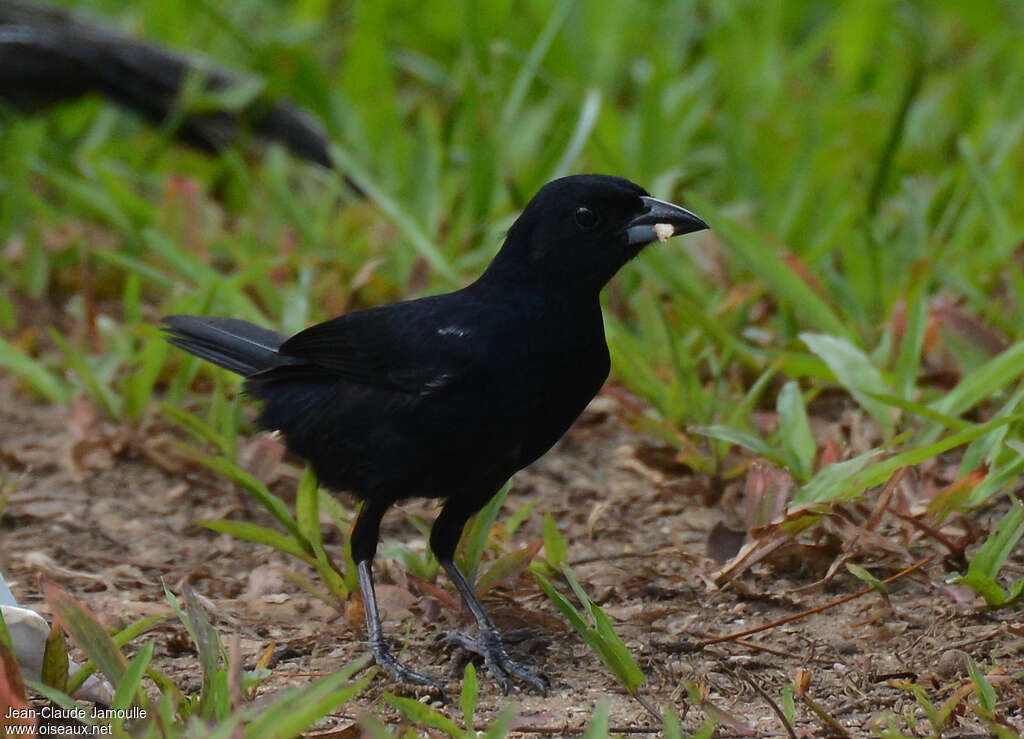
(499, 663)
(402, 674)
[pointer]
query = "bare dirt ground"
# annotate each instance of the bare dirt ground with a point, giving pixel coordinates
(109, 512)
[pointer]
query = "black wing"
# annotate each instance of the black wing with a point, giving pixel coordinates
(409, 347)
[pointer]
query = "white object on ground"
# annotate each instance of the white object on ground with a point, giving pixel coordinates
(28, 632)
(6, 596)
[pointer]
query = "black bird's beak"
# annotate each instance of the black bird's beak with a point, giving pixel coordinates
(660, 222)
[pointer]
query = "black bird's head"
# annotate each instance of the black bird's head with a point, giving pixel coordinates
(578, 231)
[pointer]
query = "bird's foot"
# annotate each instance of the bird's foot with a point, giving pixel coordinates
(400, 673)
(499, 664)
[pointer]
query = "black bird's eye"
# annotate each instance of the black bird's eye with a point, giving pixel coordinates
(586, 218)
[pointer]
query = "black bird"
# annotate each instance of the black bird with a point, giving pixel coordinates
(48, 55)
(448, 396)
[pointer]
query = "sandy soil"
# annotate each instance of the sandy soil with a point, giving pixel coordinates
(108, 512)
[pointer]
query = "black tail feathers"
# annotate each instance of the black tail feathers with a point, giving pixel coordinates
(239, 346)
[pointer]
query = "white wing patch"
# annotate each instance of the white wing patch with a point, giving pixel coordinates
(436, 383)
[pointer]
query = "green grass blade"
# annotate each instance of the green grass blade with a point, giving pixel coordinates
(598, 726)
(32, 373)
(467, 700)
(990, 558)
(855, 373)
(982, 687)
(55, 659)
(138, 386)
(132, 682)
(127, 634)
(987, 448)
(999, 221)
(795, 430)
(863, 575)
(741, 438)
(601, 637)
(417, 237)
(584, 127)
(478, 532)
(672, 728)
(99, 391)
(258, 491)
(299, 708)
(997, 480)
(531, 66)
(848, 479)
(982, 383)
(59, 699)
(423, 715)
(924, 411)
(499, 728)
(260, 535)
(506, 567)
(615, 652)
(908, 365)
(197, 427)
(555, 551)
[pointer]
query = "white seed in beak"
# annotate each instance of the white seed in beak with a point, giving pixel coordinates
(664, 231)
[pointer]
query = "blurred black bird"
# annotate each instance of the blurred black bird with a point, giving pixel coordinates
(48, 55)
(448, 396)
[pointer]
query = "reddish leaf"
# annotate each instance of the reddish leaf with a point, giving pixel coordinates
(13, 700)
(950, 497)
(87, 632)
(769, 489)
(803, 271)
(957, 321)
(507, 567)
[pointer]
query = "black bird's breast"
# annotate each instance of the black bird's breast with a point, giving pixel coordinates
(565, 371)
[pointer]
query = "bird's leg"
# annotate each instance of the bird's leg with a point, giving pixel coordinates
(381, 652)
(444, 537)
(489, 644)
(364, 546)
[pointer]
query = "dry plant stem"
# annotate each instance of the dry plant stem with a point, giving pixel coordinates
(884, 499)
(770, 650)
(235, 671)
(812, 611)
(954, 549)
(822, 714)
(235, 681)
(622, 555)
(565, 730)
(850, 546)
(883, 677)
(771, 703)
(642, 700)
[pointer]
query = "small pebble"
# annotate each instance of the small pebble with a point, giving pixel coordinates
(950, 664)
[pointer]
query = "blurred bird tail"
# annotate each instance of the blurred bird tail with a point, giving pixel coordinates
(236, 345)
(48, 55)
